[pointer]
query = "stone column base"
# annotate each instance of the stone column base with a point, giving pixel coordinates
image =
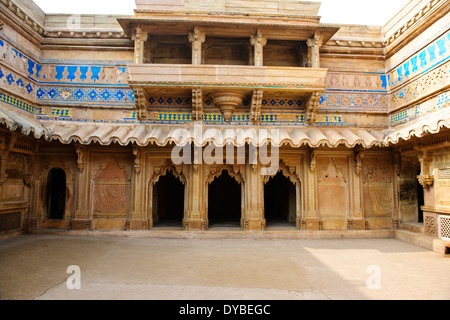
(195, 225)
(357, 224)
(310, 224)
(80, 225)
(31, 224)
(253, 225)
(137, 225)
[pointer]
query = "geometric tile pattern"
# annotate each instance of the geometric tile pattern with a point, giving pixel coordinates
(89, 95)
(17, 103)
(430, 56)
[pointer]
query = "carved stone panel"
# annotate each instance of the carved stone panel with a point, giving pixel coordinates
(377, 187)
(332, 193)
(111, 191)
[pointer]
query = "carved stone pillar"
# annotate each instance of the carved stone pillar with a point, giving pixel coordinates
(197, 38)
(311, 219)
(81, 219)
(138, 219)
(314, 45)
(195, 218)
(139, 37)
(258, 42)
(356, 219)
(254, 199)
(31, 195)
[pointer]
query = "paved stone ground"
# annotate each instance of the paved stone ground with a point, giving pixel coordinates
(35, 267)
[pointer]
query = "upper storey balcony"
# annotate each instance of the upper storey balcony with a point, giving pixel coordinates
(227, 54)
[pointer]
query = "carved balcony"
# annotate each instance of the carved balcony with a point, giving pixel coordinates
(207, 80)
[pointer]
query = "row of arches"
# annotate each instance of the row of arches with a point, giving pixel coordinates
(224, 200)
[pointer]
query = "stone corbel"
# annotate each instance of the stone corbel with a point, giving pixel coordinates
(358, 162)
(255, 109)
(80, 158)
(141, 98)
(197, 104)
(28, 180)
(197, 38)
(137, 159)
(312, 161)
(426, 178)
(28, 176)
(312, 105)
(258, 42)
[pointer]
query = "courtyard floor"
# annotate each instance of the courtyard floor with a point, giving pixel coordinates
(36, 267)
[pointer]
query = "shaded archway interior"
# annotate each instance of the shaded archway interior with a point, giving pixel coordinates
(56, 194)
(420, 200)
(169, 201)
(280, 201)
(224, 202)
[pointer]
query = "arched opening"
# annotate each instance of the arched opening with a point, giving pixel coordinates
(280, 208)
(168, 195)
(56, 194)
(224, 202)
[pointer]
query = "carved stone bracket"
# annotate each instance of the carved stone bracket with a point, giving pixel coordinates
(255, 110)
(137, 159)
(81, 157)
(426, 178)
(227, 102)
(312, 105)
(197, 104)
(312, 161)
(358, 162)
(141, 98)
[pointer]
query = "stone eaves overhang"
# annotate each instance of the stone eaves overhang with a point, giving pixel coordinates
(273, 26)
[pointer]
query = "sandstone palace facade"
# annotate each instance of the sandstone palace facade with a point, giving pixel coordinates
(247, 115)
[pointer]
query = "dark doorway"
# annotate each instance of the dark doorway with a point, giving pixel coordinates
(224, 202)
(280, 201)
(420, 199)
(168, 193)
(56, 194)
